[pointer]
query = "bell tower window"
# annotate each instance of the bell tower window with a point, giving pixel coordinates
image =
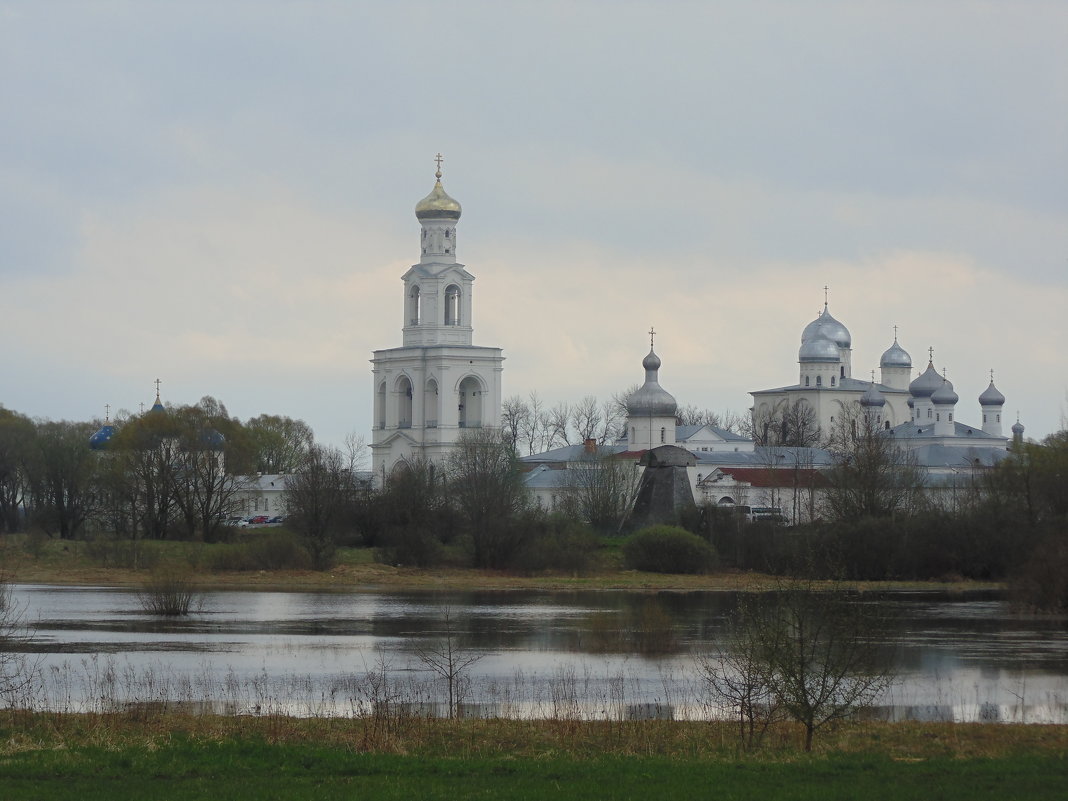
(452, 305)
(414, 306)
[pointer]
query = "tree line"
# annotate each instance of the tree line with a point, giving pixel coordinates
(162, 474)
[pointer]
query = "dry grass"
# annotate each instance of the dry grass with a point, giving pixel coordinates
(22, 731)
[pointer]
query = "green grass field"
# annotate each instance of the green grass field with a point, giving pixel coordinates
(173, 756)
(256, 770)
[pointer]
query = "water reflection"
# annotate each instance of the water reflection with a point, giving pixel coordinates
(962, 656)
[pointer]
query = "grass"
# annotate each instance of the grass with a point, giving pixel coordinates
(70, 562)
(177, 757)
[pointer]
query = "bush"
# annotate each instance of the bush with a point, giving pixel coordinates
(169, 591)
(555, 544)
(668, 549)
(275, 550)
(413, 546)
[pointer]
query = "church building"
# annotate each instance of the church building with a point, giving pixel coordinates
(438, 384)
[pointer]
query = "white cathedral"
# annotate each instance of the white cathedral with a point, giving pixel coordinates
(437, 384)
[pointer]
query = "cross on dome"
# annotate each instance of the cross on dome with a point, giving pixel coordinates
(652, 332)
(438, 159)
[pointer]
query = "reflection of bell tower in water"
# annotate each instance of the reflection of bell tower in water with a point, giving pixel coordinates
(437, 384)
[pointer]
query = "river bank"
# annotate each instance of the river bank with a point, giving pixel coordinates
(76, 563)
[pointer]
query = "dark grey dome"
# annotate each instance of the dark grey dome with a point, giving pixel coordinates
(872, 397)
(925, 385)
(895, 356)
(991, 397)
(1017, 428)
(651, 399)
(944, 395)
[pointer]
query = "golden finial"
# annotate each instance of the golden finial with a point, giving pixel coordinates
(438, 159)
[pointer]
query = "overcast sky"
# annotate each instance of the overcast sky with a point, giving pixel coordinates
(221, 195)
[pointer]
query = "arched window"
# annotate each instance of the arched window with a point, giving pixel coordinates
(807, 380)
(404, 402)
(832, 380)
(819, 381)
(380, 405)
(928, 414)
(999, 418)
(843, 374)
(663, 435)
(469, 406)
(414, 310)
(430, 404)
(886, 425)
(452, 305)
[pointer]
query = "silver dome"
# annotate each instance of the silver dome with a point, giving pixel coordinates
(926, 384)
(872, 397)
(651, 399)
(944, 395)
(991, 397)
(819, 349)
(895, 356)
(1017, 428)
(829, 327)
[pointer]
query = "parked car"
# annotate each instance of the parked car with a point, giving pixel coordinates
(276, 520)
(244, 521)
(258, 520)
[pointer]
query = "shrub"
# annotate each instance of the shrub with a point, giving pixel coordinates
(274, 550)
(556, 544)
(168, 591)
(413, 545)
(668, 549)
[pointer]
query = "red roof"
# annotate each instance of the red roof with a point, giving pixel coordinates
(776, 477)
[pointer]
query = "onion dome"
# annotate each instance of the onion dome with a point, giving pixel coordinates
(925, 385)
(99, 441)
(895, 356)
(944, 395)
(991, 396)
(829, 327)
(1017, 428)
(437, 205)
(872, 396)
(651, 399)
(212, 439)
(819, 349)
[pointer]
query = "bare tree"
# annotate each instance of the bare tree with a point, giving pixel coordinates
(515, 420)
(813, 654)
(738, 679)
(604, 489)
(873, 475)
(691, 415)
(558, 422)
(613, 422)
(319, 496)
(586, 418)
(17, 671)
(450, 661)
(487, 488)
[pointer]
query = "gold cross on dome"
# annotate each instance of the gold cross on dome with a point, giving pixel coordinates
(438, 159)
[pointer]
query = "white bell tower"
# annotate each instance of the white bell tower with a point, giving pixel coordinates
(437, 384)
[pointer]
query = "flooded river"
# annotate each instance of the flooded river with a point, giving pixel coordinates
(542, 654)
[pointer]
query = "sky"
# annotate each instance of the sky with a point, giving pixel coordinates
(221, 195)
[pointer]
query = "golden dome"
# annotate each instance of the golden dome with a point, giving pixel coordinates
(437, 204)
